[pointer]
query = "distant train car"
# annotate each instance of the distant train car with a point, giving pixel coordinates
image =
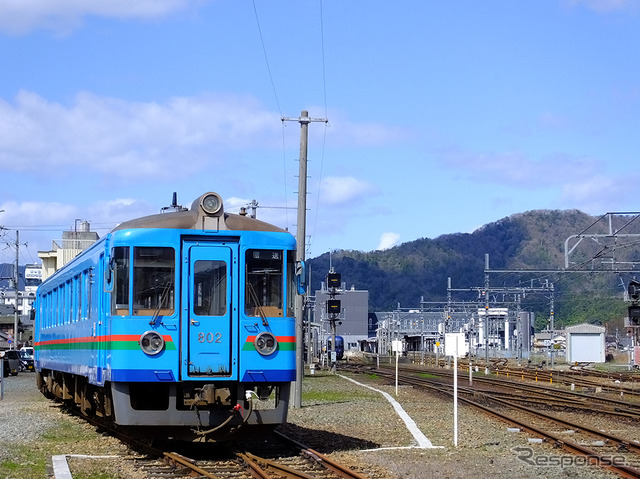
(179, 323)
(339, 347)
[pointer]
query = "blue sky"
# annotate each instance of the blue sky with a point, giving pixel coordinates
(443, 116)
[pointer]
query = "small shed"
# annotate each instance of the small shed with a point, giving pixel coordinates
(585, 343)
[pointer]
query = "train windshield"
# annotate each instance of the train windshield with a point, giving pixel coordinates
(152, 282)
(264, 282)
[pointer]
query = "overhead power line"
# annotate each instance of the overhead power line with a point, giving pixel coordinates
(266, 57)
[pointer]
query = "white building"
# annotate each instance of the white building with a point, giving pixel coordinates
(26, 297)
(585, 343)
(72, 244)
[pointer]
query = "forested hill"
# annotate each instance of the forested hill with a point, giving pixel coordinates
(532, 240)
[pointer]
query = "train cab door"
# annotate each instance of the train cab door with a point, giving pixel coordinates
(207, 310)
(100, 331)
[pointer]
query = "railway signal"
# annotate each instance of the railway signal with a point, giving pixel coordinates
(334, 280)
(634, 290)
(334, 306)
(633, 321)
(634, 310)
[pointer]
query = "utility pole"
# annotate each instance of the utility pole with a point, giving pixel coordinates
(16, 275)
(304, 121)
(552, 326)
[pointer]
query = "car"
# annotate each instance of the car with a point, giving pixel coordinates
(28, 350)
(27, 360)
(11, 362)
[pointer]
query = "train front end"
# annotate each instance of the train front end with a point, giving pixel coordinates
(195, 337)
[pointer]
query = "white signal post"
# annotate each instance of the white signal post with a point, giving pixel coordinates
(396, 346)
(455, 396)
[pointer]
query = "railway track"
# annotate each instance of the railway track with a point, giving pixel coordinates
(618, 454)
(625, 385)
(280, 458)
(580, 376)
(549, 395)
(275, 456)
(263, 456)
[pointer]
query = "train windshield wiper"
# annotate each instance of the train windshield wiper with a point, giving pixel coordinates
(254, 298)
(163, 297)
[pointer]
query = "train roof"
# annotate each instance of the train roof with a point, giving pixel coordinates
(206, 213)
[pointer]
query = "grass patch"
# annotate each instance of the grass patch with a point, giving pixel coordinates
(24, 462)
(427, 375)
(333, 389)
(332, 396)
(33, 460)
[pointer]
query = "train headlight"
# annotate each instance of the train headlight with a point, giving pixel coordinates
(151, 343)
(265, 343)
(211, 203)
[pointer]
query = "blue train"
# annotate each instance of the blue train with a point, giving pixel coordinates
(339, 347)
(179, 324)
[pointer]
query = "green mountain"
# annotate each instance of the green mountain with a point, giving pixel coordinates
(535, 240)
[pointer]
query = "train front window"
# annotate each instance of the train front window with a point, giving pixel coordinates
(264, 282)
(153, 281)
(210, 288)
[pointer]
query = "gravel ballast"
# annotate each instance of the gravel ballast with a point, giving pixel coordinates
(338, 417)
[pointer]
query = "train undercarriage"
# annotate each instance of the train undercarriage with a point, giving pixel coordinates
(186, 411)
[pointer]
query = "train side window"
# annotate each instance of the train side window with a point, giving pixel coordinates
(153, 281)
(40, 312)
(44, 318)
(78, 282)
(69, 301)
(54, 319)
(291, 283)
(49, 310)
(210, 288)
(62, 292)
(264, 282)
(120, 295)
(86, 275)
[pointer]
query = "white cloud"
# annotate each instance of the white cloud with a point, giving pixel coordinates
(567, 181)
(388, 240)
(118, 210)
(143, 140)
(342, 190)
(61, 16)
(62, 216)
(344, 132)
(605, 6)
(269, 210)
(36, 213)
(600, 194)
(164, 140)
(41, 222)
(517, 169)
